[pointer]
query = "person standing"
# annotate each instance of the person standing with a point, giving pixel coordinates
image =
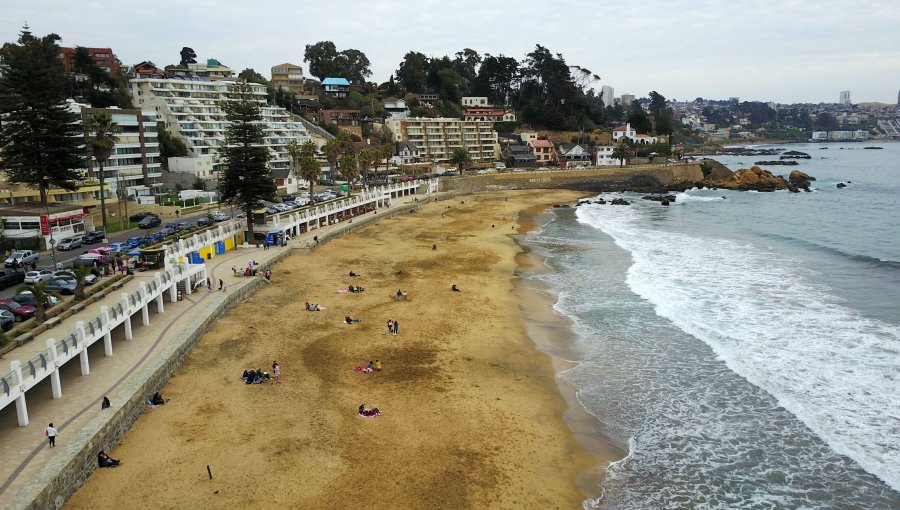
(396, 327)
(390, 328)
(51, 434)
(276, 371)
(224, 286)
(208, 284)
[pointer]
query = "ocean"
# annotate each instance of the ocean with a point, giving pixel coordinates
(742, 347)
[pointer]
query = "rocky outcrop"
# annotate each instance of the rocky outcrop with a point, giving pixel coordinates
(800, 180)
(752, 179)
(841, 185)
(795, 155)
(776, 163)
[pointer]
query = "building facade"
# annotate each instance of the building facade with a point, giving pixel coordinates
(608, 95)
(475, 102)
(544, 150)
(626, 100)
(845, 97)
(104, 57)
(336, 87)
(289, 78)
(190, 108)
(436, 138)
(212, 69)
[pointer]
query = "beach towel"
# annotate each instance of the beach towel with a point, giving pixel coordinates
(361, 368)
(341, 291)
(369, 413)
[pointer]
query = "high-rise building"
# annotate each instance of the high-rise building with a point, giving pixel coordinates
(437, 138)
(191, 109)
(608, 95)
(627, 99)
(288, 77)
(135, 160)
(104, 57)
(845, 97)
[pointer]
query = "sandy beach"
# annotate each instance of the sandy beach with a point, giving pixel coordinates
(471, 414)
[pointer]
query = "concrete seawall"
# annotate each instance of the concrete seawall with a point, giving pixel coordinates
(644, 177)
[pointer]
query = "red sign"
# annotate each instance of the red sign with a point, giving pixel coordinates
(45, 225)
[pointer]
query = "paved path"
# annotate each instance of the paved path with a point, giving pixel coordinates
(23, 450)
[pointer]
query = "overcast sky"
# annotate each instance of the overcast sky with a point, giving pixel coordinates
(770, 50)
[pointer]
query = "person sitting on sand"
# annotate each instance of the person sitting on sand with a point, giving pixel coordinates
(362, 408)
(454, 288)
(312, 307)
(353, 274)
(400, 294)
(350, 320)
(369, 412)
(105, 461)
(355, 289)
(371, 366)
(105, 404)
(246, 375)
(377, 365)
(157, 399)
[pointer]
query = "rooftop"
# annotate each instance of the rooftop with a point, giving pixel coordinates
(336, 81)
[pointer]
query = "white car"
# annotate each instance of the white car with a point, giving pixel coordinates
(89, 279)
(38, 276)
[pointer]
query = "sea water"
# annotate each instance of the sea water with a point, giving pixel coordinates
(743, 347)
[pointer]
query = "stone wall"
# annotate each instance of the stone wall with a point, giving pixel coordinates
(642, 177)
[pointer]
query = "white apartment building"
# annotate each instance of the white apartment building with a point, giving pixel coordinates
(608, 95)
(604, 155)
(190, 108)
(437, 138)
(135, 160)
(471, 102)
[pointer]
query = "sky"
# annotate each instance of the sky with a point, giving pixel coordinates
(785, 51)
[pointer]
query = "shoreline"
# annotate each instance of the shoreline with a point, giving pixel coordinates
(470, 406)
(552, 335)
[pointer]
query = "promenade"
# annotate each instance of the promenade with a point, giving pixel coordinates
(24, 452)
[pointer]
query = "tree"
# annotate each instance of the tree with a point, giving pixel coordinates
(100, 141)
(366, 158)
(411, 72)
(246, 178)
(622, 153)
(187, 57)
(309, 171)
(252, 76)
(460, 158)
(169, 146)
(41, 296)
(638, 119)
(81, 272)
(324, 61)
(38, 134)
(332, 151)
(198, 184)
(295, 152)
(349, 168)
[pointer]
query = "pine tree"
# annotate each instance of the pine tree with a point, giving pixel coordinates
(246, 179)
(38, 134)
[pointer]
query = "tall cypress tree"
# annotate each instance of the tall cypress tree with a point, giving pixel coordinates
(246, 179)
(39, 136)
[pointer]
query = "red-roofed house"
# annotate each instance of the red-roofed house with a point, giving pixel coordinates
(544, 150)
(624, 131)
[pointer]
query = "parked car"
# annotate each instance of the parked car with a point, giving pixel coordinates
(204, 222)
(7, 320)
(27, 298)
(61, 285)
(38, 276)
(134, 242)
(326, 182)
(89, 279)
(118, 247)
(150, 222)
(20, 311)
(94, 237)
(69, 243)
(140, 216)
(23, 257)
(90, 259)
(8, 278)
(219, 215)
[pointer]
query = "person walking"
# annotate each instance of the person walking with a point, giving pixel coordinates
(396, 327)
(390, 328)
(208, 284)
(51, 434)
(224, 286)
(276, 371)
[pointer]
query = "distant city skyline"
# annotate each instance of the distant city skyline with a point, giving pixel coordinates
(762, 51)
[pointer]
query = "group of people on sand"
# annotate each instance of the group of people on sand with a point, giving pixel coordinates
(393, 327)
(354, 289)
(368, 412)
(255, 376)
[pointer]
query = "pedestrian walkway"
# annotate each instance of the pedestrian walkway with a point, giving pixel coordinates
(23, 450)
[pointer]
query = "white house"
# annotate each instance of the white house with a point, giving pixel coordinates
(509, 116)
(603, 155)
(527, 138)
(396, 108)
(624, 131)
(469, 102)
(199, 166)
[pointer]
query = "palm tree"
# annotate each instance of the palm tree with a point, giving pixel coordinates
(309, 171)
(101, 139)
(81, 272)
(367, 157)
(349, 169)
(460, 158)
(40, 299)
(622, 153)
(332, 150)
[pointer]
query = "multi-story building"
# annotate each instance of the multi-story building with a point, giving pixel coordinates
(626, 100)
(603, 155)
(608, 95)
(845, 97)
(544, 150)
(191, 109)
(135, 161)
(289, 78)
(104, 57)
(437, 138)
(336, 87)
(475, 102)
(211, 70)
(341, 118)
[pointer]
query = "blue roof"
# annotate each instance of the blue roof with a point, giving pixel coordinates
(335, 81)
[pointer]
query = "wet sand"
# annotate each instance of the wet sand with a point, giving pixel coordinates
(472, 416)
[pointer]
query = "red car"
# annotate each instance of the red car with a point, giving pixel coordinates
(21, 312)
